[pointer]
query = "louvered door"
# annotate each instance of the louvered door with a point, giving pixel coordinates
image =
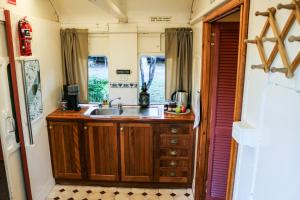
(223, 96)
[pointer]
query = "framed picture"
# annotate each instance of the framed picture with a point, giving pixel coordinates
(32, 92)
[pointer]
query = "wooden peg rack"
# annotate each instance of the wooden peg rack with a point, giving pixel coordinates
(289, 67)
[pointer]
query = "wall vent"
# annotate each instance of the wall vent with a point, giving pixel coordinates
(158, 19)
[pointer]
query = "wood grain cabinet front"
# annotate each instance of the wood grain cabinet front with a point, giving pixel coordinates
(101, 143)
(136, 152)
(65, 150)
(175, 155)
(115, 152)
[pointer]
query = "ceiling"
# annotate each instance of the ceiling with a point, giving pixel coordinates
(138, 11)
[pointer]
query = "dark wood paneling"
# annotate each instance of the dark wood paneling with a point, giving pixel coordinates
(65, 149)
(102, 151)
(136, 152)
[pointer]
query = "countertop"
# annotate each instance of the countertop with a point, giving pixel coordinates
(59, 115)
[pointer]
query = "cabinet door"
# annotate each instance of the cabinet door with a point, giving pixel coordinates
(65, 153)
(102, 151)
(136, 152)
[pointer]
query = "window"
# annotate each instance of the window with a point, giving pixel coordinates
(152, 72)
(98, 84)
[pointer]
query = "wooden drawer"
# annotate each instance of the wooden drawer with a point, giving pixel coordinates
(175, 141)
(175, 129)
(173, 152)
(170, 175)
(174, 163)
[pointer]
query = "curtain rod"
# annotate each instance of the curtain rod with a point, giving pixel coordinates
(139, 33)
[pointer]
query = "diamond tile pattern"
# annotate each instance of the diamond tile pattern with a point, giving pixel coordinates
(61, 192)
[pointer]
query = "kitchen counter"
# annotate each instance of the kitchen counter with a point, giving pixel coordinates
(140, 151)
(79, 115)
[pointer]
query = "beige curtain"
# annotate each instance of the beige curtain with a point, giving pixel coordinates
(74, 43)
(179, 55)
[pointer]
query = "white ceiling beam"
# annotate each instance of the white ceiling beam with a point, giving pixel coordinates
(114, 7)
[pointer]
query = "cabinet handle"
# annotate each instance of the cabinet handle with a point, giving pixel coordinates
(172, 174)
(174, 130)
(85, 127)
(121, 129)
(173, 153)
(50, 127)
(174, 141)
(173, 164)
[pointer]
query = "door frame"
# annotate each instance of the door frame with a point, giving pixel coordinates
(206, 89)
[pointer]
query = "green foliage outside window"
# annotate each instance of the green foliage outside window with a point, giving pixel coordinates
(98, 89)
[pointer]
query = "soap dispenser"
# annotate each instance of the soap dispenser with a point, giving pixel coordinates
(144, 99)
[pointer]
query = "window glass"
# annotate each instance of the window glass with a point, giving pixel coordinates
(98, 82)
(152, 72)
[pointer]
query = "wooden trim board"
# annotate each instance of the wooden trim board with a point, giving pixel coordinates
(206, 79)
(17, 103)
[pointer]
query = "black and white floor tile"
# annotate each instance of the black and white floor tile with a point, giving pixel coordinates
(62, 192)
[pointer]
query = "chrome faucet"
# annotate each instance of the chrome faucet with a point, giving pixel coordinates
(110, 102)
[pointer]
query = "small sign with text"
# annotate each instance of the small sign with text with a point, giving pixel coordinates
(14, 2)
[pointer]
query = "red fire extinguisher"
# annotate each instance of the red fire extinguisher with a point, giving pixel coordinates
(25, 37)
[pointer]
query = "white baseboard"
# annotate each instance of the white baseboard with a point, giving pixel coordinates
(43, 194)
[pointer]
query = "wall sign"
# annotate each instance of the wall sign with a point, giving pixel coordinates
(14, 2)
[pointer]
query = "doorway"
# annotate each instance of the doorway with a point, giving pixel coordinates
(4, 193)
(224, 73)
(222, 83)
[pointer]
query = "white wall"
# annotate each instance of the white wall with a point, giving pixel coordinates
(11, 150)
(123, 44)
(271, 105)
(46, 48)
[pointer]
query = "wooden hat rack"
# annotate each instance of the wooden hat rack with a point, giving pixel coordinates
(279, 37)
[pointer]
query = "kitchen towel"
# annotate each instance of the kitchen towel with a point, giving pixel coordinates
(197, 110)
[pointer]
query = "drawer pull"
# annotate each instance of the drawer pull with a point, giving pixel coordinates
(174, 141)
(85, 128)
(121, 129)
(50, 127)
(172, 174)
(173, 164)
(173, 153)
(174, 130)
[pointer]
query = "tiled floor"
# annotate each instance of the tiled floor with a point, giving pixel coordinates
(61, 192)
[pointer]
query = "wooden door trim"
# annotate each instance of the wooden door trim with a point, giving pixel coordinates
(206, 79)
(17, 103)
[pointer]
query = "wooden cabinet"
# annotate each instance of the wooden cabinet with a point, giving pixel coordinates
(136, 152)
(101, 151)
(175, 155)
(112, 151)
(65, 150)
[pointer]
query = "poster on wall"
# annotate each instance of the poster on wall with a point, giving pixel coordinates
(14, 2)
(32, 92)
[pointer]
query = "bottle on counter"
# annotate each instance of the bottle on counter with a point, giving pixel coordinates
(144, 99)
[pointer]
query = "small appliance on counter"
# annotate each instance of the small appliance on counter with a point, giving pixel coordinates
(144, 99)
(180, 97)
(71, 96)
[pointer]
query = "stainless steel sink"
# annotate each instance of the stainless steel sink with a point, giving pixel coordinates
(127, 111)
(109, 111)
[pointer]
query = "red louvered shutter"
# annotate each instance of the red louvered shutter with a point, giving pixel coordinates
(223, 96)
